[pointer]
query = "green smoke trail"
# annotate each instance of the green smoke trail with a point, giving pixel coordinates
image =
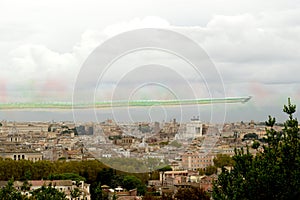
(120, 103)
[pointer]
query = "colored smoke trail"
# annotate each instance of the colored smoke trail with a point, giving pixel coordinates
(120, 103)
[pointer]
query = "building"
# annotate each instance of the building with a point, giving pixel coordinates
(191, 130)
(65, 186)
(22, 155)
(194, 128)
(196, 160)
(172, 177)
(206, 182)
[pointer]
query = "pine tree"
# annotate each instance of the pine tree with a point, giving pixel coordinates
(272, 174)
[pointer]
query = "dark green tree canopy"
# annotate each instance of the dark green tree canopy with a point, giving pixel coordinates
(222, 160)
(48, 193)
(8, 192)
(273, 173)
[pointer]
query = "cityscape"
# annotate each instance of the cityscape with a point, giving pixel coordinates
(191, 150)
(149, 100)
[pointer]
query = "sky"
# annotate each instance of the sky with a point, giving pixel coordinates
(252, 45)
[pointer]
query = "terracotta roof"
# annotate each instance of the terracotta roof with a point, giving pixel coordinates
(54, 182)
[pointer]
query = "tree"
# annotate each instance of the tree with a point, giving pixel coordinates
(165, 168)
(201, 171)
(75, 193)
(105, 176)
(193, 193)
(273, 173)
(209, 170)
(48, 193)
(26, 185)
(99, 194)
(67, 176)
(10, 193)
(222, 160)
(131, 182)
(255, 145)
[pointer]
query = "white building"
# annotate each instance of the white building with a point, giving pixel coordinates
(192, 129)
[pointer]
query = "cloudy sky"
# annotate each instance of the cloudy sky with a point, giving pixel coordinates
(254, 46)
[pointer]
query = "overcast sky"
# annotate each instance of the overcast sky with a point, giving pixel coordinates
(255, 46)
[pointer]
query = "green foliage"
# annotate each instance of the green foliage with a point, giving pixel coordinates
(111, 178)
(106, 176)
(116, 137)
(98, 193)
(131, 182)
(92, 172)
(9, 192)
(250, 136)
(45, 169)
(201, 171)
(271, 174)
(163, 143)
(26, 186)
(66, 176)
(222, 160)
(165, 168)
(28, 175)
(271, 121)
(255, 145)
(154, 175)
(48, 193)
(43, 193)
(193, 193)
(75, 193)
(210, 170)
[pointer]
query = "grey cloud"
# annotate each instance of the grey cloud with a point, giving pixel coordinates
(255, 50)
